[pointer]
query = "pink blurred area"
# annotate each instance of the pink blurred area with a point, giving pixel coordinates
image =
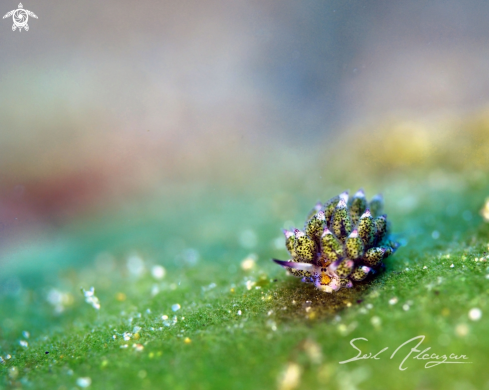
(101, 102)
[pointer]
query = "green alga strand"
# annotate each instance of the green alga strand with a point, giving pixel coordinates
(358, 205)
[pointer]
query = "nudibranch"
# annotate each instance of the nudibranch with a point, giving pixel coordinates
(344, 241)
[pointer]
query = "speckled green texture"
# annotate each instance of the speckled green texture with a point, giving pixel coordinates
(329, 208)
(358, 205)
(374, 256)
(345, 268)
(305, 248)
(315, 226)
(368, 230)
(418, 294)
(355, 248)
(342, 223)
(331, 248)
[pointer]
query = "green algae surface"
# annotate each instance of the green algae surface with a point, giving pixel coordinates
(224, 316)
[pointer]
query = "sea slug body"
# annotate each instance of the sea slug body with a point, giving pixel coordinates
(343, 242)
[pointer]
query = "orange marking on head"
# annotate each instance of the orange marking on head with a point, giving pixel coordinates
(325, 279)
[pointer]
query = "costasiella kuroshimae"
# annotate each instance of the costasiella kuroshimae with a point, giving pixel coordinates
(344, 241)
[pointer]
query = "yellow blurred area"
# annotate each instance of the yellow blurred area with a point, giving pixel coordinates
(450, 143)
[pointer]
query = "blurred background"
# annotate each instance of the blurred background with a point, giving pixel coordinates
(153, 150)
(109, 107)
